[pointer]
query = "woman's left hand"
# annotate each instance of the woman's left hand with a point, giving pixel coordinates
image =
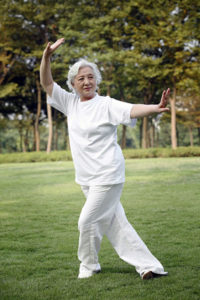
(164, 101)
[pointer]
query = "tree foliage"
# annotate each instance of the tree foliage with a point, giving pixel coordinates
(141, 47)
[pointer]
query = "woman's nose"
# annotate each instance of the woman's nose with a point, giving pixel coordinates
(86, 81)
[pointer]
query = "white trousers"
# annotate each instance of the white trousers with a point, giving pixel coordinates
(103, 214)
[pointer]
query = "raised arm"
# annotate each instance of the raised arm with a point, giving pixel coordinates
(143, 110)
(46, 78)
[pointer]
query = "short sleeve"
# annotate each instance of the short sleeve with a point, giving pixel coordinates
(119, 113)
(60, 99)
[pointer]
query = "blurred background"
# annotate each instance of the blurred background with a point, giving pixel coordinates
(141, 48)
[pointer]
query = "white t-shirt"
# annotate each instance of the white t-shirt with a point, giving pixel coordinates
(92, 126)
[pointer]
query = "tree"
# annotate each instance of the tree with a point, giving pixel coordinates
(26, 26)
(179, 57)
(141, 47)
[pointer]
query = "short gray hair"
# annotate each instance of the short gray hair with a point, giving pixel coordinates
(73, 71)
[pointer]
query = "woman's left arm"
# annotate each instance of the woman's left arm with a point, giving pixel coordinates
(143, 110)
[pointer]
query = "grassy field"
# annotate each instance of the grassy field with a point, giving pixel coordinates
(40, 206)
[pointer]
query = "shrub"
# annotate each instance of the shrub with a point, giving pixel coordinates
(161, 152)
(128, 154)
(35, 157)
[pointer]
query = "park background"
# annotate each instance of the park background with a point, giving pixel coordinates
(141, 48)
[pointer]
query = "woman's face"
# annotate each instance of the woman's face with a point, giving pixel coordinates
(85, 83)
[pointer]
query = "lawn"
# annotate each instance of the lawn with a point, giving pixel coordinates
(39, 210)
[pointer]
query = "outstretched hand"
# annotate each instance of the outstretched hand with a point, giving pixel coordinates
(50, 48)
(164, 101)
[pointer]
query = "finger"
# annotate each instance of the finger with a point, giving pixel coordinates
(167, 96)
(163, 94)
(48, 46)
(164, 109)
(57, 44)
(168, 92)
(162, 101)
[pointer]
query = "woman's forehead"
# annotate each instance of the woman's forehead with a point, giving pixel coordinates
(85, 71)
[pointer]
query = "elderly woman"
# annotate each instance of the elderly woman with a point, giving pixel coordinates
(99, 163)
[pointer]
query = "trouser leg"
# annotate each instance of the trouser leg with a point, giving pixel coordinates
(129, 245)
(94, 220)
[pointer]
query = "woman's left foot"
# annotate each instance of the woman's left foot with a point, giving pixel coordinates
(84, 272)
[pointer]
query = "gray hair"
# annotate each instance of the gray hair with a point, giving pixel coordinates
(74, 69)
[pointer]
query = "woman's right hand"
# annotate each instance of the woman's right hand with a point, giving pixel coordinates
(50, 48)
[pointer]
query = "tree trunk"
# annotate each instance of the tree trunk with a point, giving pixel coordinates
(173, 120)
(21, 139)
(34, 143)
(148, 135)
(39, 103)
(50, 123)
(199, 134)
(67, 136)
(177, 137)
(26, 141)
(141, 121)
(157, 139)
(191, 136)
(123, 140)
(56, 137)
(152, 135)
(144, 132)
(108, 90)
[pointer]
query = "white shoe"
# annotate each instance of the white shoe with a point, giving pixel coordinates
(84, 272)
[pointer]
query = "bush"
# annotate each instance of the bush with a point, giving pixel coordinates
(35, 157)
(128, 154)
(161, 152)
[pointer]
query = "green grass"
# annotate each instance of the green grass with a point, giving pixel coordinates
(40, 206)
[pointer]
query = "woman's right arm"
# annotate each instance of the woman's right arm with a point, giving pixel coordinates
(46, 78)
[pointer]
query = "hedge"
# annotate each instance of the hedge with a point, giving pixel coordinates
(35, 157)
(162, 152)
(128, 154)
